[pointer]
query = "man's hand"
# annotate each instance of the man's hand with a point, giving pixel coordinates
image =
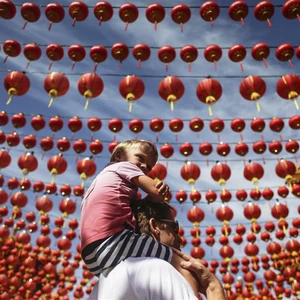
(163, 188)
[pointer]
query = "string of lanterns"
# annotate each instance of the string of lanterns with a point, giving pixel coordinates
(155, 13)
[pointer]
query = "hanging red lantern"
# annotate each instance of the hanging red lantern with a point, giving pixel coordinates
(181, 14)
(44, 204)
(128, 13)
(131, 88)
(103, 11)
(189, 54)
(11, 48)
(98, 54)
(17, 84)
(296, 190)
(176, 125)
(57, 165)
(253, 172)
(285, 52)
(166, 150)
(258, 124)
(2, 137)
(223, 149)
(56, 85)
(74, 124)
(252, 88)
(196, 124)
(241, 149)
(264, 11)
(186, 149)
(292, 146)
(5, 159)
(255, 194)
(3, 118)
(224, 214)
(220, 173)
(96, 147)
(155, 13)
(32, 52)
(190, 172)
(38, 186)
(119, 52)
(238, 11)
(38, 122)
(210, 196)
(13, 183)
(79, 146)
(94, 124)
(90, 85)
(171, 89)
(276, 124)
(86, 168)
(115, 125)
(46, 143)
(166, 55)
(285, 169)
(63, 144)
(225, 195)
(294, 122)
(141, 52)
(156, 125)
(136, 125)
(78, 11)
(7, 9)
(205, 148)
(29, 141)
(209, 91)
(18, 120)
(213, 53)
(19, 199)
(195, 196)
(237, 53)
(279, 211)
(158, 172)
(283, 191)
(267, 193)
(252, 212)
(209, 11)
(288, 87)
(13, 139)
(291, 9)
(76, 53)
(217, 125)
(55, 13)
(261, 52)
(30, 13)
(54, 52)
(78, 190)
(238, 125)
(181, 196)
(67, 206)
(56, 123)
(241, 195)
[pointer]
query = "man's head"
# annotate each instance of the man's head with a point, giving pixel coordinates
(157, 220)
(140, 152)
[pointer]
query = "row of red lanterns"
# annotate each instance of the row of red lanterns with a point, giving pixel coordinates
(94, 124)
(155, 13)
(170, 89)
(142, 52)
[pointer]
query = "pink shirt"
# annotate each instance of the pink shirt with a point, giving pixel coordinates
(106, 206)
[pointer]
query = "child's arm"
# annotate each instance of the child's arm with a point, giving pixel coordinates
(156, 191)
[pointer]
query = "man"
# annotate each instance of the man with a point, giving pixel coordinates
(152, 278)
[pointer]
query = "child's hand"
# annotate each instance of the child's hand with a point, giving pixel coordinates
(163, 188)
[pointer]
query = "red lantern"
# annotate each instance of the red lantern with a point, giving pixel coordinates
(220, 173)
(156, 125)
(166, 55)
(190, 172)
(275, 147)
(209, 11)
(253, 172)
(195, 215)
(57, 165)
(86, 167)
(76, 53)
(98, 54)
(209, 91)
(155, 13)
(255, 194)
(136, 125)
(285, 52)
(166, 150)
(38, 122)
(241, 195)
(158, 172)
(224, 214)
(291, 9)
(17, 84)
(189, 54)
(55, 13)
(94, 124)
(261, 52)
(74, 124)
(213, 53)
(56, 123)
(30, 12)
(292, 146)
(128, 13)
(29, 141)
(43, 204)
(90, 85)
(181, 14)
(283, 191)
(120, 52)
(19, 199)
(252, 212)
(131, 88)
(253, 88)
(3, 118)
(7, 9)
(223, 149)
(279, 211)
(237, 53)
(238, 11)
(176, 125)
(288, 87)
(141, 52)
(186, 149)
(67, 207)
(63, 144)
(276, 124)
(285, 169)
(195, 196)
(46, 143)
(103, 11)
(11, 48)
(267, 193)
(294, 122)
(115, 125)
(13, 139)
(171, 89)
(258, 125)
(205, 149)
(5, 159)
(54, 52)
(18, 120)
(56, 85)
(264, 11)
(38, 186)
(96, 147)
(79, 146)
(226, 252)
(78, 11)
(217, 125)
(238, 125)
(2, 137)
(196, 124)
(32, 52)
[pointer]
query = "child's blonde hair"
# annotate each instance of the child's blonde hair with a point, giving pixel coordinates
(131, 144)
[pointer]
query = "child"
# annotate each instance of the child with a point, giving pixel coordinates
(107, 222)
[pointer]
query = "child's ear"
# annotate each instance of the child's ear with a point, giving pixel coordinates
(117, 156)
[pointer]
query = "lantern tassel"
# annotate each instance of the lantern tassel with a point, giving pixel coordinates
(73, 66)
(265, 63)
(87, 102)
(167, 67)
(155, 25)
(242, 67)
(130, 106)
(50, 25)
(189, 67)
(269, 23)
(100, 22)
(291, 64)
(296, 104)
(181, 27)
(243, 22)
(50, 65)
(139, 64)
(28, 63)
(51, 101)
(215, 65)
(9, 99)
(5, 59)
(210, 110)
(126, 26)
(257, 106)
(74, 22)
(24, 25)
(95, 67)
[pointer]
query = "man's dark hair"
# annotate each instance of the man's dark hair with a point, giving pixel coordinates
(145, 209)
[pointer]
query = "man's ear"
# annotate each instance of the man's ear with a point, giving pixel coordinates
(154, 228)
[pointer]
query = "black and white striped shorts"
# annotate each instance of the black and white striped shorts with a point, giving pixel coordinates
(121, 245)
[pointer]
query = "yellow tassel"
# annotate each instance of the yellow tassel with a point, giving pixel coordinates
(257, 106)
(296, 104)
(87, 102)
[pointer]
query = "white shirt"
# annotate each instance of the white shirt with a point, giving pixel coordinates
(143, 278)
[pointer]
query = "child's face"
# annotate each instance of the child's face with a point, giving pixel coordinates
(141, 156)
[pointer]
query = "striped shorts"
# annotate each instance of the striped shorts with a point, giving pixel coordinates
(121, 245)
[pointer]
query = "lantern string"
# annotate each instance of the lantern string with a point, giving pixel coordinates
(24, 25)
(50, 25)
(269, 23)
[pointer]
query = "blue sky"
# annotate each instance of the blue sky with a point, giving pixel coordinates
(110, 103)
